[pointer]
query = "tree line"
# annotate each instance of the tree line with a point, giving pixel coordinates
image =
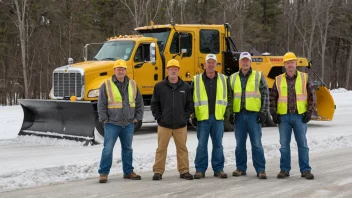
(36, 36)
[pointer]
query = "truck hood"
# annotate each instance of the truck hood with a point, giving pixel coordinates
(89, 66)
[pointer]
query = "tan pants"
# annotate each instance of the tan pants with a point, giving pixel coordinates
(180, 137)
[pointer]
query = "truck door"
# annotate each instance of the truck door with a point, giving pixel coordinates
(182, 49)
(145, 72)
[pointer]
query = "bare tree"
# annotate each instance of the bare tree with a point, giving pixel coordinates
(137, 9)
(20, 10)
(325, 11)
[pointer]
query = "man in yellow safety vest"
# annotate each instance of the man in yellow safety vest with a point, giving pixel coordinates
(292, 102)
(248, 108)
(120, 106)
(210, 101)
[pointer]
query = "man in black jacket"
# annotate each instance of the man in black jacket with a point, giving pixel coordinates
(171, 106)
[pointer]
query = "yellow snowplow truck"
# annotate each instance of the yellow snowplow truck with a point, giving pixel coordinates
(146, 55)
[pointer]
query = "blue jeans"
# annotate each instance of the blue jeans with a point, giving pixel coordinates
(246, 124)
(214, 128)
(111, 133)
(295, 122)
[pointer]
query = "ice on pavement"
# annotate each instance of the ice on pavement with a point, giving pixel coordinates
(29, 161)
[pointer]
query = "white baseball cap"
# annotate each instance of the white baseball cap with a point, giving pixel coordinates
(210, 56)
(245, 55)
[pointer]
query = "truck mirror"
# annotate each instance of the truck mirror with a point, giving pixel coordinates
(152, 53)
(183, 52)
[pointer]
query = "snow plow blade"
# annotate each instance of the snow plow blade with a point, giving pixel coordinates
(325, 104)
(59, 119)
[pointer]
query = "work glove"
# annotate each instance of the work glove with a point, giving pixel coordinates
(232, 118)
(193, 120)
(276, 118)
(261, 118)
(307, 116)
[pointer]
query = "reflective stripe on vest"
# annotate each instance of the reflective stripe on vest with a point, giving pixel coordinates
(301, 93)
(200, 98)
(114, 95)
(253, 97)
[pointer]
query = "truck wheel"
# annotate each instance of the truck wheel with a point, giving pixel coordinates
(228, 126)
(137, 125)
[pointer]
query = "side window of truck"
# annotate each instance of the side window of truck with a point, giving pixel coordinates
(143, 53)
(181, 41)
(209, 41)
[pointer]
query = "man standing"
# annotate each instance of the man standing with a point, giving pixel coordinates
(210, 101)
(248, 107)
(120, 106)
(292, 101)
(171, 106)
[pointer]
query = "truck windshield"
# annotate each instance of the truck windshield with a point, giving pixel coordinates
(113, 50)
(161, 34)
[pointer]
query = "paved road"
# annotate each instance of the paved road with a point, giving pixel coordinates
(333, 171)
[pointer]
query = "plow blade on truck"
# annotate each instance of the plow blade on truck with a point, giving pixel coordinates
(325, 104)
(59, 119)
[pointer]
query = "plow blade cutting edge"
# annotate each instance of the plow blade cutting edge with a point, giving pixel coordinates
(59, 119)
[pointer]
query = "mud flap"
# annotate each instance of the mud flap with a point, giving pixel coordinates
(325, 104)
(59, 119)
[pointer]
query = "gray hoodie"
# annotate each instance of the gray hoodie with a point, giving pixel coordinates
(119, 116)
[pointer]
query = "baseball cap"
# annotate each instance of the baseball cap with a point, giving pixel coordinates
(210, 56)
(245, 55)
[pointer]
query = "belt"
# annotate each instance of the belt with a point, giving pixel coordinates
(292, 111)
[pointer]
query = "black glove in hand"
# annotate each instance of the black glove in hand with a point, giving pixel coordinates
(307, 116)
(261, 118)
(276, 118)
(194, 121)
(232, 118)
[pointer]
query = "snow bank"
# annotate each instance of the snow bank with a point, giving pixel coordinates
(339, 90)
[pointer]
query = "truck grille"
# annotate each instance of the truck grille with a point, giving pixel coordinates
(67, 84)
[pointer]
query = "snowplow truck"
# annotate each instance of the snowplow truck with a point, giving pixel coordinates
(71, 111)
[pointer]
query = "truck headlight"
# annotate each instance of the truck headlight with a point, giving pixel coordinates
(93, 93)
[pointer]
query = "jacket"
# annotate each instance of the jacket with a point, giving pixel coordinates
(172, 107)
(119, 116)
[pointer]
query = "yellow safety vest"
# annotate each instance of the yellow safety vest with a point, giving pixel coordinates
(114, 95)
(253, 96)
(301, 93)
(200, 98)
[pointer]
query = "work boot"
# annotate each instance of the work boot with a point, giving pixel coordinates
(103, 178)
(308, 175)
(157, 176)
(261, 175)
(283, 174)
(220, 174)
(199, 175)
(187, 176)
(238, 173)
(132, 176)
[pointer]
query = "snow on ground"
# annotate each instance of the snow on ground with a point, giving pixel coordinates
(27, 162)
